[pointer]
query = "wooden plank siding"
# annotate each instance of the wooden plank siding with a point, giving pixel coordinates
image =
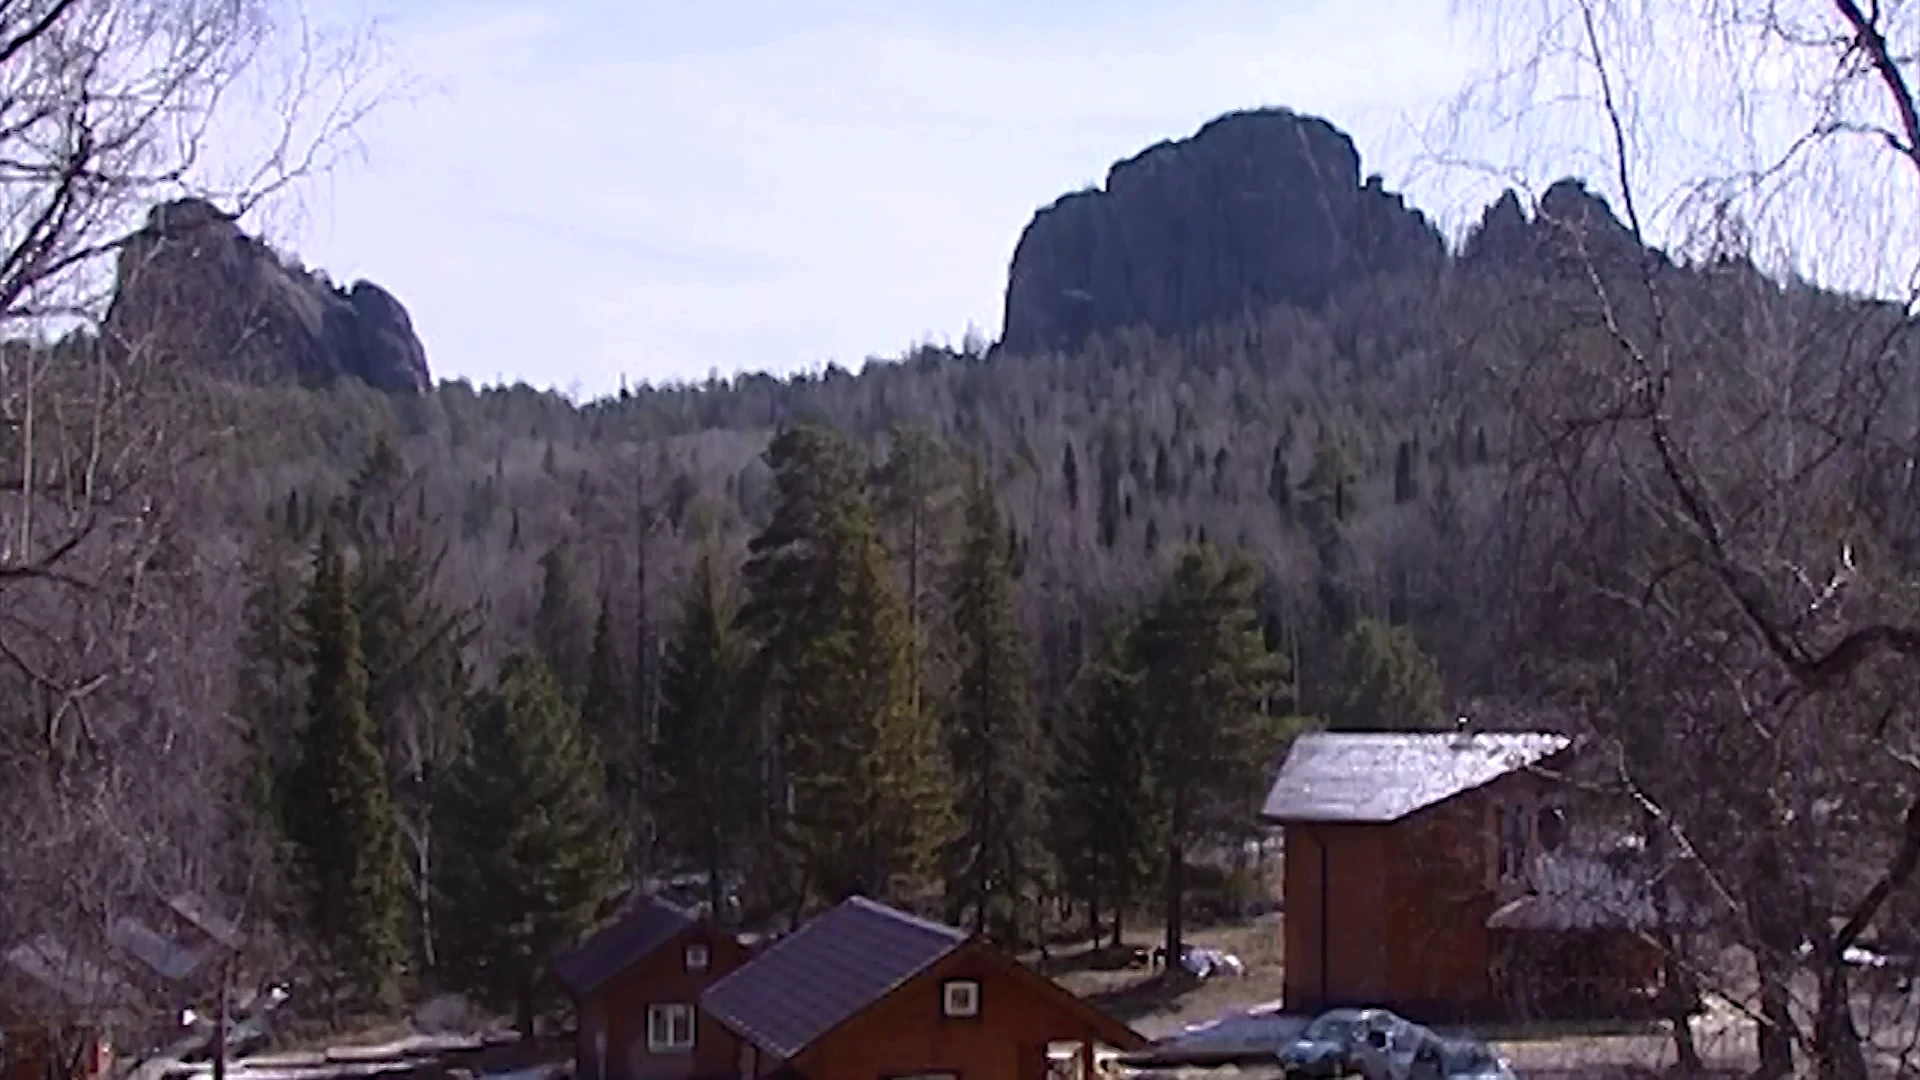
(619, 1010)
(1401, 921)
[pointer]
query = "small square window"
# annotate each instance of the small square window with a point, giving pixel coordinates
(960, 998)
(696, 958)
(669, 1028)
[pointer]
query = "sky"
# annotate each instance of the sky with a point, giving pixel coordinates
(575, 194)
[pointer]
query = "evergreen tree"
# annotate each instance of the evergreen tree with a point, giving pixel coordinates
(1103, 817)
(864, 804)
(915, 494)
(992, 740)
(271, 674)
(562, 627)
(411, 642)
(606, 712)
(1206, 677)
(1406, 482)
(533, 851)
(1387, 682)
(709, 746)
(342, 819)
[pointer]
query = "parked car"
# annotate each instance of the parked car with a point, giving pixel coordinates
(1329, 1045)
(1388, 1047)
(1324, 1047)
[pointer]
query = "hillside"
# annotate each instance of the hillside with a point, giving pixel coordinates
(1379, 425)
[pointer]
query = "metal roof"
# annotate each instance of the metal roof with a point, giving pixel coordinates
(1369, 778)
(620, 945)
(814, 979)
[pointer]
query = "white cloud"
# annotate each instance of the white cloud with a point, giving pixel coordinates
(605, 192)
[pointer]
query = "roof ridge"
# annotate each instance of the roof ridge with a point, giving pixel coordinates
(953, 932)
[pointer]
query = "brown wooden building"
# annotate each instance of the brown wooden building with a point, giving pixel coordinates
(636, 985)
(1401, 849)
(865, 992)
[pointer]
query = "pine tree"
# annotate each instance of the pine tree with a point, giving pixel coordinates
(411, 642)
(342, 819)
(1387, 682)
(533, 851)
(916, 487)
(992, 739)
(562, 628)
(1206, 681)
(859, 765)
(271, 674)
(1103, 816)
(606, 713)
(709, 746)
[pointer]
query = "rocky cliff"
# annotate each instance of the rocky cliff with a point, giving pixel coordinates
(193, 287)
(1255, 209)
(1571, 231)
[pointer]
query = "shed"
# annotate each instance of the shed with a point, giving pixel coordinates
(1399, 847)
(636, 985)
(867, 991)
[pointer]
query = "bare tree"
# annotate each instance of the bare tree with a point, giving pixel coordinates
(1711, 497)
(116, 749)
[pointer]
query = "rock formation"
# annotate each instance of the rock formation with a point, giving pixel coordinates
(1571, 231)
(193, 288)
(1255, 209)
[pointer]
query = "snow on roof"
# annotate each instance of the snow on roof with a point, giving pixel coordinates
(1383, 777)
(167, 957)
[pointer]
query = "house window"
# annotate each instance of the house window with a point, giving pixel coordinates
(696, 958)
(960, 998)
(669, 1028)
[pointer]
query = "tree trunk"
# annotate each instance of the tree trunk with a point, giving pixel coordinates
(715, 892)
(220, 1019)
(1775, 1030)
(1681, 996)
(1176, 881)
(525, 1010)
(1835, 1038)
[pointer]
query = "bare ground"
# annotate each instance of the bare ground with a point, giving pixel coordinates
(1158, 1007)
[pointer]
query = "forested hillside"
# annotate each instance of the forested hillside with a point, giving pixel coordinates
(424, 678)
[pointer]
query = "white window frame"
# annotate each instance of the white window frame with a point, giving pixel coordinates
(697, 957)
(662, 1018)
(962, 1006)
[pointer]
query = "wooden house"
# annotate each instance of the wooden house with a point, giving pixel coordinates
(865, 992)
(1412, 879)
(636, 985)
(59, 1012)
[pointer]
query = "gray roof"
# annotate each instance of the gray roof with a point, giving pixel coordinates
(630, 939)
(1377, 778)
(817, 977)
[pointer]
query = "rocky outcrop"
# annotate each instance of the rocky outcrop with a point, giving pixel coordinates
(194, 288)
(1255, 209)
(1572, 232)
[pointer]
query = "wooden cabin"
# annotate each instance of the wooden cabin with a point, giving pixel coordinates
(865, 992)
(636, 986)
(58, 1012)
(1401, 849)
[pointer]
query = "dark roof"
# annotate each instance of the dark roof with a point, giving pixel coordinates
(1378, 778)
(817, 977)
(630, 939)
